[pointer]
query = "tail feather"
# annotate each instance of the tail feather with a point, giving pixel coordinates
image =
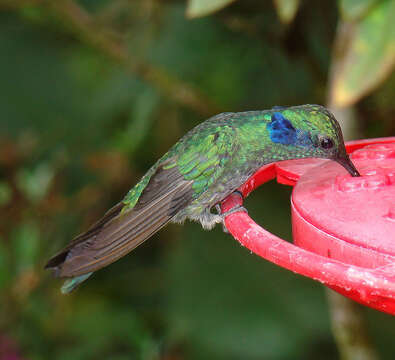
(120, 231)
(71, 284)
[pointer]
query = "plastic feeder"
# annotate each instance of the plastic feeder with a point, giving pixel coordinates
(343, 226)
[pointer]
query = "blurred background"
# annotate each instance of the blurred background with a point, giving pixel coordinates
(92, 92)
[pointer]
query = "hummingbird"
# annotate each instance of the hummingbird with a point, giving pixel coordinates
(205, 166)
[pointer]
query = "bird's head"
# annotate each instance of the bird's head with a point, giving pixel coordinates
(310, 131)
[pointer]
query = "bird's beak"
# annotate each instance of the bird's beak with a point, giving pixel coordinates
(348, 165)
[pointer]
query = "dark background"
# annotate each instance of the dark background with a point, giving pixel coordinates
(93, 92)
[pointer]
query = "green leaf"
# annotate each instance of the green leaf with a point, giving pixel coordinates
(355, 9)
(198, 8)
(365, 55)
(286, 9)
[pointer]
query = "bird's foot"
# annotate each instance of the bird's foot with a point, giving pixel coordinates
(223, 215)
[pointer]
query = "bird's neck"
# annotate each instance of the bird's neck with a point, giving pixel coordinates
(257, 148)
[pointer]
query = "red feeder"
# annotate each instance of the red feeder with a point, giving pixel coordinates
(343, 226)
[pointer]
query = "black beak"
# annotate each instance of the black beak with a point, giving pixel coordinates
(348, 165)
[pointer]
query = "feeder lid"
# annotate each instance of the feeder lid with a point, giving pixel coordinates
(357, 210)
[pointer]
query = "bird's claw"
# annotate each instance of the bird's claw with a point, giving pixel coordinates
(238, 208)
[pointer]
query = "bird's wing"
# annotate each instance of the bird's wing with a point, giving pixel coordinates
(122, 229)
(174, 183)
(205, 160)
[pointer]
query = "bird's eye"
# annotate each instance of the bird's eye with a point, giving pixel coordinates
(326, 143)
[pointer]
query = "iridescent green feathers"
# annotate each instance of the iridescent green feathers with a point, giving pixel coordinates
(205, 166)
(199, 157)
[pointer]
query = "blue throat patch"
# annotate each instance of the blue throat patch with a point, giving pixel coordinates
(281, 130)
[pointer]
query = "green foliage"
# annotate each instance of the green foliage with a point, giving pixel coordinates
(5, 193)
(287, 9)
(91, 94)
(355, 9)
(25, 242)
(5, 271)
(139, 122)
(198, 8)
(35, 183)
(366, 55)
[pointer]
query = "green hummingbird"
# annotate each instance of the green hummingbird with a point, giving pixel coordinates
(205, 166)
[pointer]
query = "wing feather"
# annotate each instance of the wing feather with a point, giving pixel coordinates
(170, 186)
(121, 229)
